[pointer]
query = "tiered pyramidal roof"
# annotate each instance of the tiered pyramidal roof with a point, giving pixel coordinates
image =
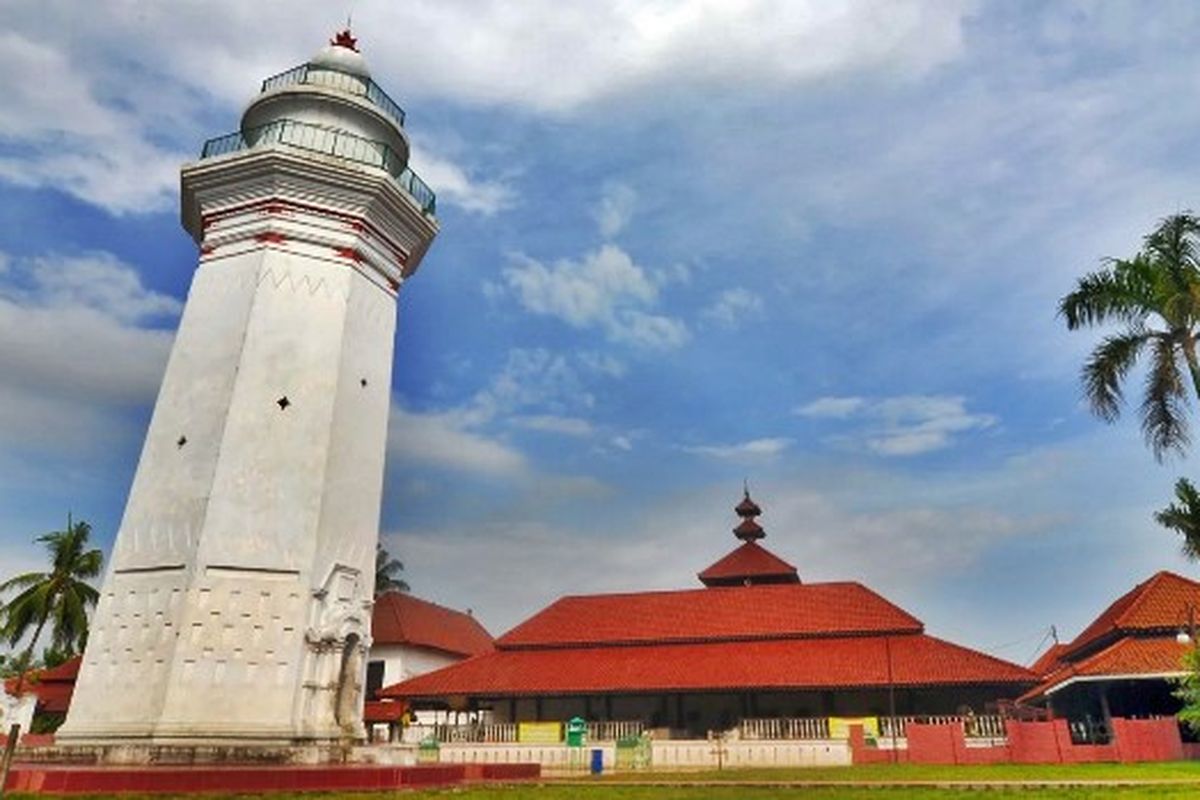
(1139, 635)
(750, 564)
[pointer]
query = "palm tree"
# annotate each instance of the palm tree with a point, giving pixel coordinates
(387, 570)
(1183, 517)
(59, 597)
(1155, 297)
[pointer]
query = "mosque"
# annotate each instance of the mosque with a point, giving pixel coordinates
(754, 642)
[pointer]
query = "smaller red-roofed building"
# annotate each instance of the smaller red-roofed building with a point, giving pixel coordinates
(755, 642)
(53, 687)
(1123, 663)
(411, 637)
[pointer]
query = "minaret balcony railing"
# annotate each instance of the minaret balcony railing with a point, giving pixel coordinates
(353, 84)
(329, 141)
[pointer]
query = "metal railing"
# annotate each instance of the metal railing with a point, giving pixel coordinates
(315, 75)
(613, 730)
(975, 727)
(484, 733)
(1089, 731)
(330, 141)
(786, 728)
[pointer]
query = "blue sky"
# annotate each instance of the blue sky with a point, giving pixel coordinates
(683, 244)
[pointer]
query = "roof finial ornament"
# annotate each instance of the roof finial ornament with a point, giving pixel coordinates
(748, 529)
(344, 38)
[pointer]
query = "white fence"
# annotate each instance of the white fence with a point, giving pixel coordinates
(508, 732)
(818, 728)
(975, 727)
(693, 754)
(785, 728)
(613, 730)
(763, 730)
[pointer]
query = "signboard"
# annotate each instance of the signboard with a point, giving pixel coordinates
(839, 727)
(539, 732)
(14, 709)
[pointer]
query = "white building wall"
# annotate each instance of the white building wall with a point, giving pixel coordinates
(404, 661)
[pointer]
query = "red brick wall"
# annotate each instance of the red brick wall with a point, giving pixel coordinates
(936, 744)
(1030, 743)
(1147, 740)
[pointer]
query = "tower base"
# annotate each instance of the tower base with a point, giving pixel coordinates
(147, 754)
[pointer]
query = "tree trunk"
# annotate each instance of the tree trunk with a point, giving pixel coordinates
(28, 656)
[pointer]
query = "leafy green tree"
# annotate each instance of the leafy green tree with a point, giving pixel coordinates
(1155, 299)
(387, 572)
(1187, 690)
(1183, 517)
(59, 598)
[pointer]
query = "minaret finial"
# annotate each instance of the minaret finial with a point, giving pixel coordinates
(345, 39)
(748, 529)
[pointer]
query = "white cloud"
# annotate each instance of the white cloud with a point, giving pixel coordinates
(835, 407)
(615, 209)
(70, 141)
(497, 52)
(618, 47)
(96, 281)
(110, 124)
(540, 380)
(650, 331)
(535, 389)
(445, 440)
(71, 351)
(905, 425)
(549, 423)
(753, 450)
(453, 185)
(604, 289)
(584, 292)
(734, 306)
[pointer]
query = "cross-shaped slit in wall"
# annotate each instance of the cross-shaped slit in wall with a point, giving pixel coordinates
(283, 403)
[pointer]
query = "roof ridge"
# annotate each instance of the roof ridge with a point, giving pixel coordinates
(586, 644)
(1142, 590)
(694, 590)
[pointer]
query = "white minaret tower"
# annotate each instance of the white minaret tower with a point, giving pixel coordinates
(237, 605)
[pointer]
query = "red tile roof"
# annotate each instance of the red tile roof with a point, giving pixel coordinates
(1160, 603)
(400, 618)
(53, 686)
(749, 562)
(733, 613)
(1154, 656)
(1048, 661)
(843, 662)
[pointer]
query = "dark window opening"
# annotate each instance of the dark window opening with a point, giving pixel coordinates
(374, 679)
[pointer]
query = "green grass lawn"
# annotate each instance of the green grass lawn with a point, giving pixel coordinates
(1179, 770)
(685, 785)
